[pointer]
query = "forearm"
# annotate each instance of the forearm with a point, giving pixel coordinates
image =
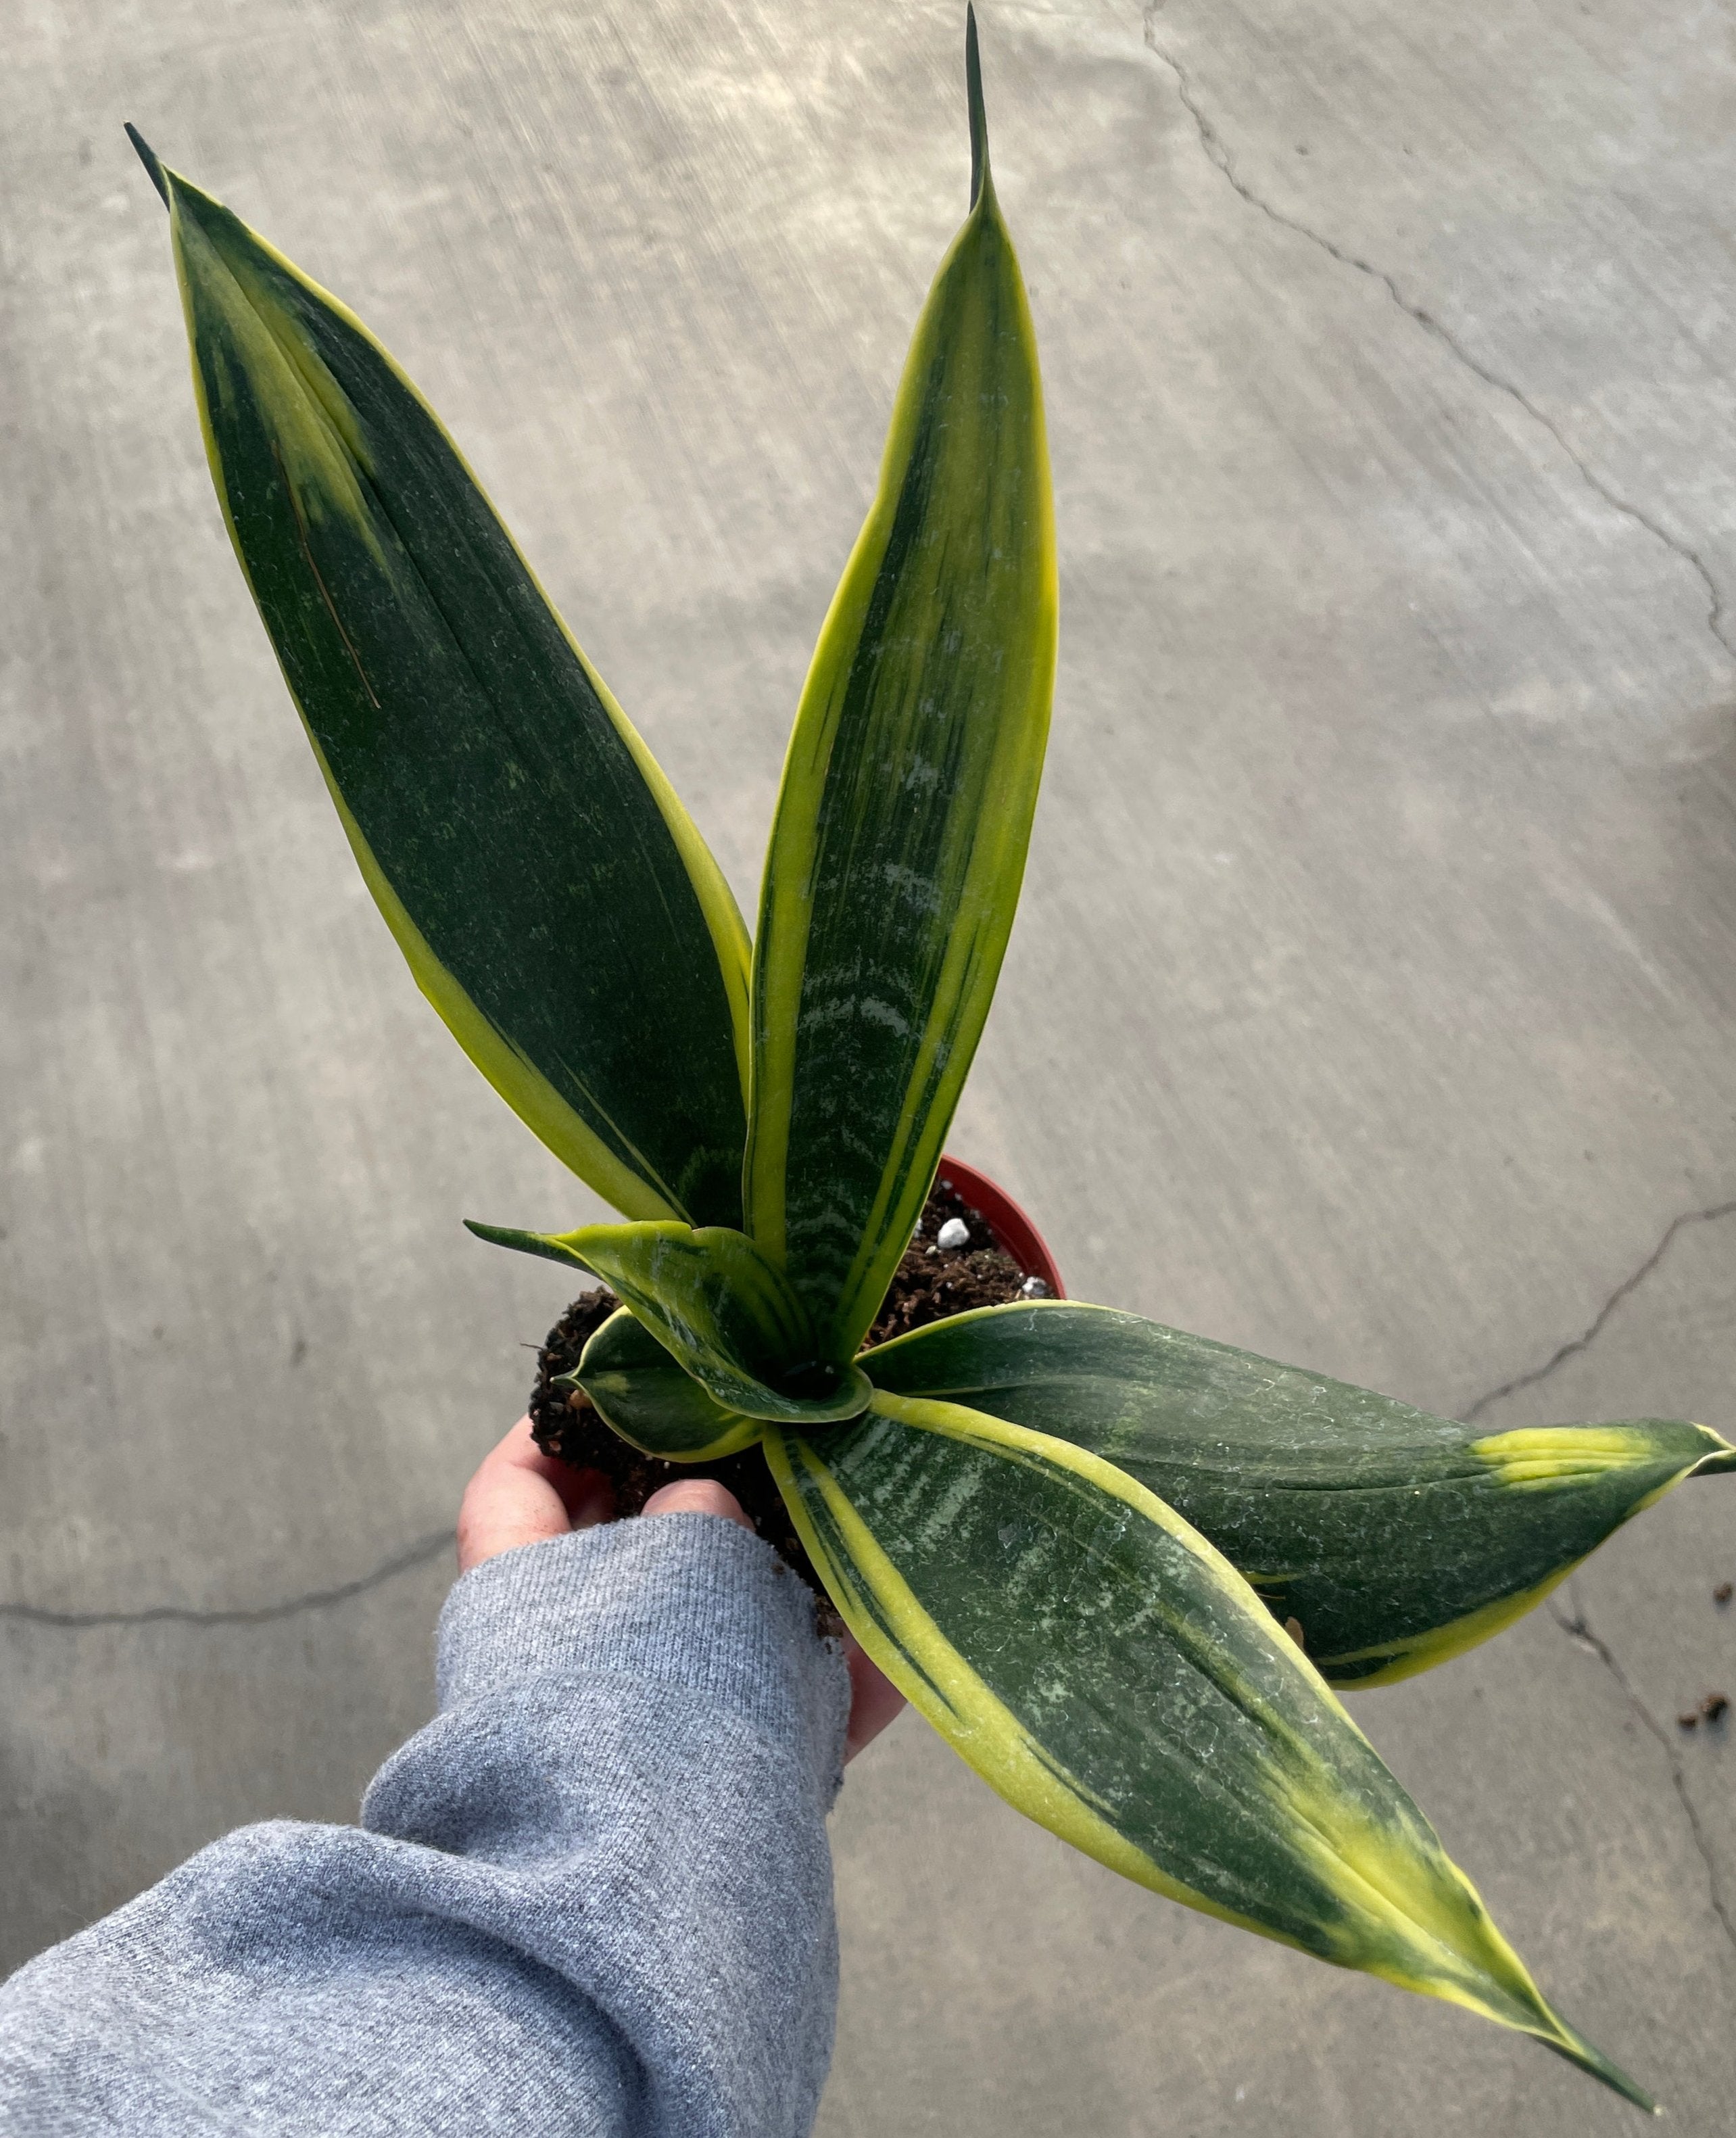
(593, 1895)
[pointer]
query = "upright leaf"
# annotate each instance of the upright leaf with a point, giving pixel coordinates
(1099, 1665)
(553, 900)
(1394, 1539)
(905, 809)
(725, 1314)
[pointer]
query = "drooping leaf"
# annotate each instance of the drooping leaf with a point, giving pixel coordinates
(1395, 1539)
(723, 1311)
(555, 902)
(653, 1402)
(1099, 1665)
(902, 823)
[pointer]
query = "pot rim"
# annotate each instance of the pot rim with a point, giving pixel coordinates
(1011, 1225)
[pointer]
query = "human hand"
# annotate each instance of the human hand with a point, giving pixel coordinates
(521, 1496)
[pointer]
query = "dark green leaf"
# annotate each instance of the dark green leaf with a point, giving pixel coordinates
(1112, 1677)
(554, 901)
(1103, 1667)
(905, 809)
(1395, 1539)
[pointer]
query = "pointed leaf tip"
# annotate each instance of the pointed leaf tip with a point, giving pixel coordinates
(550, 1246)
(147, 157)
(973, 98)
(1572, 2045)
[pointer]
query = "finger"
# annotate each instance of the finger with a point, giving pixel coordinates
(697, 1495)
(502, 1509)
(516, 1450)
(874, 1700)
(519, 1496)
(586, 1494)
(580, 1489)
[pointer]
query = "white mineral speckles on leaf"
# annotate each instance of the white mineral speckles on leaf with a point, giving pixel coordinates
(954, 1233)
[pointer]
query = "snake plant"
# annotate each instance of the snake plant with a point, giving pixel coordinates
(1070, 1535)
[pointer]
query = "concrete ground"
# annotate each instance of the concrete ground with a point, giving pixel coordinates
(1372, 1003)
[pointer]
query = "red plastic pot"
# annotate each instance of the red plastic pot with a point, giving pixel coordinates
(1014, 1232)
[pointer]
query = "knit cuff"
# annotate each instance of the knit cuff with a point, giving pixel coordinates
(689, 1601)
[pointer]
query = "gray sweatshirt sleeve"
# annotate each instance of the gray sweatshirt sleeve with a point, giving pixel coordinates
(593, 1896)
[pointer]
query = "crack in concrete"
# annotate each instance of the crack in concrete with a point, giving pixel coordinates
(1218, 154)
(1595, 1327)
(176, 1614)
(1578, 1627)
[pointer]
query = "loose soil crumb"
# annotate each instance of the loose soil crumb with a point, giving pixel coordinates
(930, 1282)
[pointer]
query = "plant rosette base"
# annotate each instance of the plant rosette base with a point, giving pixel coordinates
(1003, 1254)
